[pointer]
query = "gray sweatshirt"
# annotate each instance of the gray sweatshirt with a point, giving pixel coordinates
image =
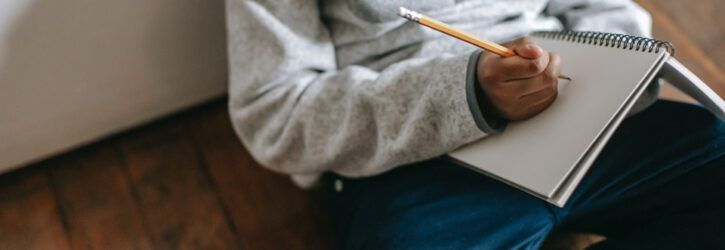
(349, 87)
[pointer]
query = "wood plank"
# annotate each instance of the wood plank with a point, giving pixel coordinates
(702, 21)
(686, 51)
(29, 216)
(176, 195)
(671, 93)
(267, 209)
(95, 198)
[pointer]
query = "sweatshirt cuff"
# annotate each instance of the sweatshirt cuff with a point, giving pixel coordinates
(486, 120)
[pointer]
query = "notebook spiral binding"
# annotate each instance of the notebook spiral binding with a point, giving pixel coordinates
(613, 40)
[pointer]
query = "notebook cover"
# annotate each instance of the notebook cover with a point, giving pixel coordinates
(537, 155)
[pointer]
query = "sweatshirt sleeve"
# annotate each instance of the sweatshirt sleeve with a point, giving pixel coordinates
(297, 113)
(613, 16)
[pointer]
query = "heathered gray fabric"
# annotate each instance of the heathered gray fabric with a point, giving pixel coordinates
(474, 94)
(347, 86)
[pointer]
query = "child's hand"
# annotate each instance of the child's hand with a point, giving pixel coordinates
(521, 86)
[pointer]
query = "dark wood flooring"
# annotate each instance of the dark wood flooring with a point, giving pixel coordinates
(185, 182)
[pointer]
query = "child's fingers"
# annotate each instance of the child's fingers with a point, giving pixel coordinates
(523, 85)
(550, 76)
(516, 67)
(526, 47)
(539, 101)
(547, 80)
(531, 60)
(529, 51)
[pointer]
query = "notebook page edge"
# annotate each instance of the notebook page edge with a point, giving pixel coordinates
(569, 183)
(468, 154)
(495, 177)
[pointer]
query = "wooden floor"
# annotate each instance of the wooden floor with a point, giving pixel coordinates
(697, 29)
(183, 182)
(186, 182)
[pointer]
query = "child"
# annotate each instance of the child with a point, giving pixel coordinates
(346, 87)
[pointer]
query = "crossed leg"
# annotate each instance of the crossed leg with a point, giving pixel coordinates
(657, 184)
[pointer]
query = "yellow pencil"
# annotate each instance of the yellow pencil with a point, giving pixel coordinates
(458, 33)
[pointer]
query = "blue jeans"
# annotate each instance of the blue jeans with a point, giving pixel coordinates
(659, 183)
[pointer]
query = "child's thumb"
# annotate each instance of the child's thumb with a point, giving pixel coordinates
(529, 51)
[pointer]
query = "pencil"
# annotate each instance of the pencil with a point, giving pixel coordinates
(458, 33)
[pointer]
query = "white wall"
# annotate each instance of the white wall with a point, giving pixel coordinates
(73, 71)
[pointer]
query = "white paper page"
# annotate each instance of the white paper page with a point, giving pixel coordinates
(538, 153)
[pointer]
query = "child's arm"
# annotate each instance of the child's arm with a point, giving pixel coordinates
(298, 113)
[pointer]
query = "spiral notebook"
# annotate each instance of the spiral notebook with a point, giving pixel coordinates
(550, 153)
